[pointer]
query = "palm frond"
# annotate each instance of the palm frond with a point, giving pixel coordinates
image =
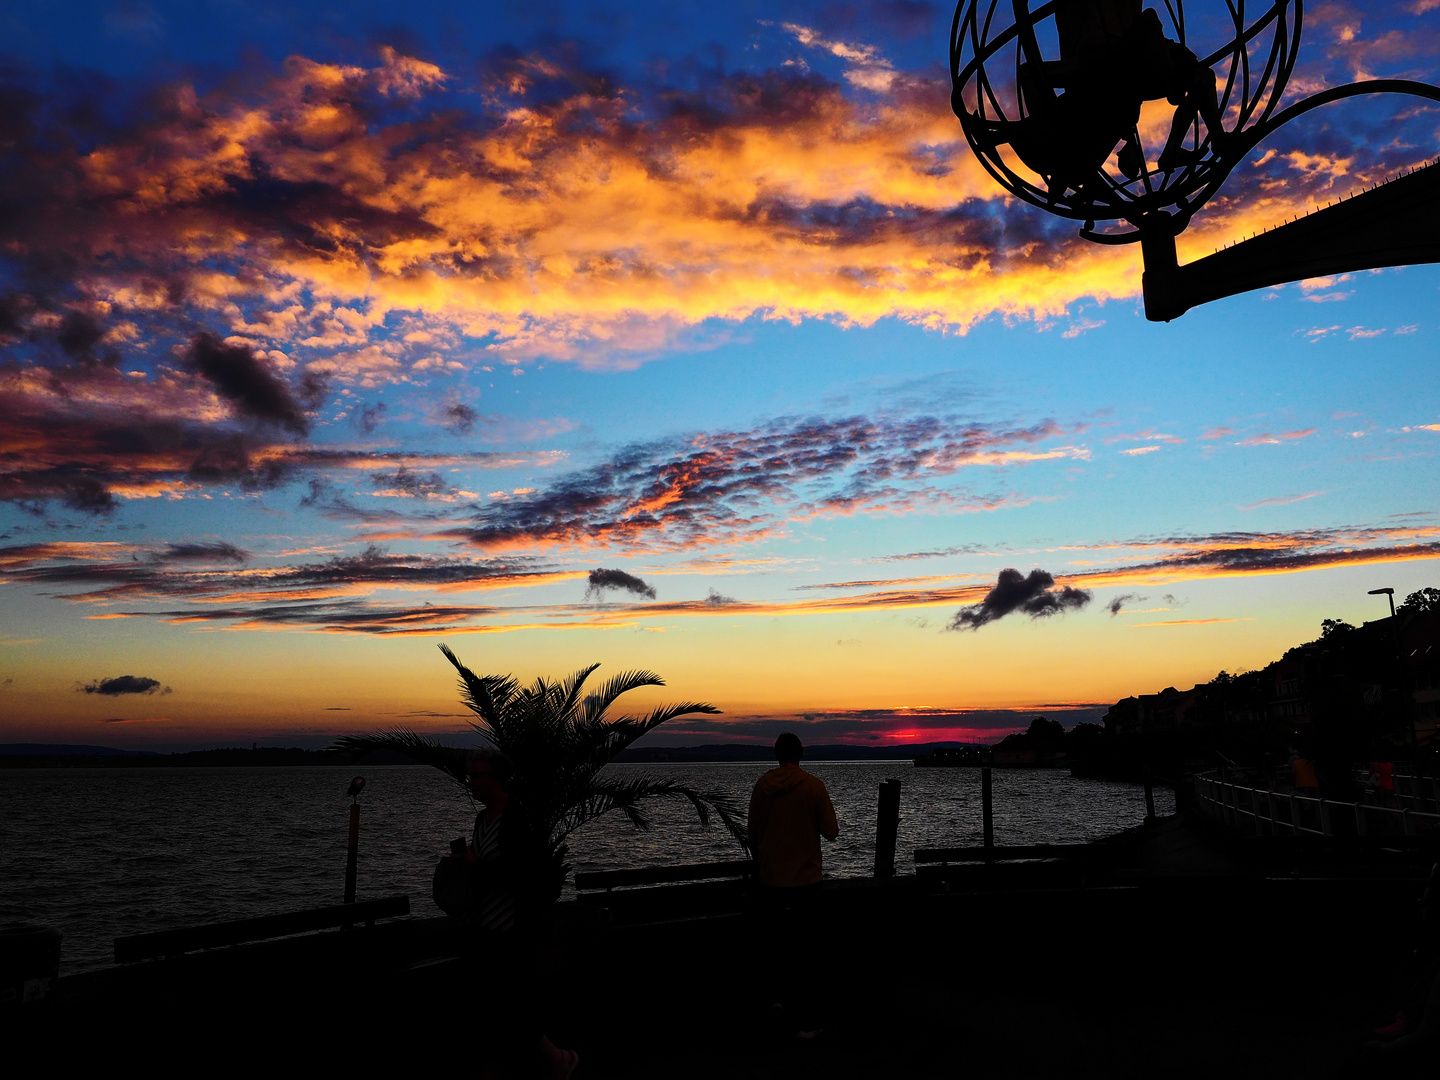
(598, 703)
(486, 696)
(604, 796)
(451, 760)
(572, 687)
(559, 742)
(664, 713)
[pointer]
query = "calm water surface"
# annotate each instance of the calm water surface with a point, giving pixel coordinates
(100, 853)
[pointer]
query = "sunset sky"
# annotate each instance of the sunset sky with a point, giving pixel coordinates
(332, 332)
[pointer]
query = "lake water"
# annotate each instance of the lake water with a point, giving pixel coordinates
(101, 853)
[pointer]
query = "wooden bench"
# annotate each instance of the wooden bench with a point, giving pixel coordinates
(240, 931)
(945, 856)
(608, 880)
(1028, 865)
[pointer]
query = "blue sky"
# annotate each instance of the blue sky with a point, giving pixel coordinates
(694, 341)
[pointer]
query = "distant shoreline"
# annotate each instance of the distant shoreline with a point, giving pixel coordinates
(67, 756)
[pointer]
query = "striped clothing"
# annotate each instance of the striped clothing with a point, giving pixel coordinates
(494, 907)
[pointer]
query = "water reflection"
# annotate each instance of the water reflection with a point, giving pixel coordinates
(100, 853)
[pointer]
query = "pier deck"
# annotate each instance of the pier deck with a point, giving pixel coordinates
(1185, 962)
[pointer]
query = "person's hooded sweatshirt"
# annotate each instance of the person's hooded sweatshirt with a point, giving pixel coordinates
(789, 811)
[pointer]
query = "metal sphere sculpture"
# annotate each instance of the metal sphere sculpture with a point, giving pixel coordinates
(1053, 101)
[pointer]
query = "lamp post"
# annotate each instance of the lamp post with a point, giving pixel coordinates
(1056, 121)
(1389, 594)
(353, 840)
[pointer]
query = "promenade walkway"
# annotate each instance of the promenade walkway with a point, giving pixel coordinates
(1185, 961)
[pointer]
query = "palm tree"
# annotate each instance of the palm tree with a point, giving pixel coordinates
(558, 740)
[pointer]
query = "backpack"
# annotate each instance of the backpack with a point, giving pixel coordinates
(453, 886)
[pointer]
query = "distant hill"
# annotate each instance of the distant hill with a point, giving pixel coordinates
(73, 756)
(766, 752)
(30, 749)
(69, 755)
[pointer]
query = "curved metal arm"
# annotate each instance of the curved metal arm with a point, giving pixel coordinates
(1339, 93)
(1247, 141)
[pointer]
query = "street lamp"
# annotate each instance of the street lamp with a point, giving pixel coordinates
(1389, 594)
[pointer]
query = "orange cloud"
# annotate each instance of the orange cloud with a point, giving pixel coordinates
(340, 596)
(312, 220)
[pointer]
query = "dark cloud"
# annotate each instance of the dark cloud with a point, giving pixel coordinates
(83, 493)
(337, 616)
(230, 457)
(79, 333)
(961, 549)
(333, 501)
(717, 599)
(412, 484)
(459, 417)
(78, 433)
(247, 382)
(124, 684)
(77, 574)
(602, 581)
(367, 417)
(1031, 595)
(215, 551)
(1117, 605)
(733, 485)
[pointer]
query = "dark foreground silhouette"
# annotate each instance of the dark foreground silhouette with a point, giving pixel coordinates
(1179, 958)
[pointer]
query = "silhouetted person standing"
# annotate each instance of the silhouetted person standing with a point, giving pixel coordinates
(789, 811)
(506, 855)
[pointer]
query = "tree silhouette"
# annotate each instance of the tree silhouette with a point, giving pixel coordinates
(1420, 601)
(558, 739)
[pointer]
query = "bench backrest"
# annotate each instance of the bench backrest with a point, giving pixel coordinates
(662, 875)
(240, 931)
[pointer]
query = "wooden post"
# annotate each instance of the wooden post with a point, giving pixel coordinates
(352, 853)
(887, 824)
(1149, 795)
(987, 816)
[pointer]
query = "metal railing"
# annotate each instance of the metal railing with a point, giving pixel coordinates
(1416, 792)
(1265, 812)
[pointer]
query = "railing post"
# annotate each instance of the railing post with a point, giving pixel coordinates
(1149, 795)
(1406, 825)
(1325, 818)
(887, 824)
(352, 853)
(1270, 806)
(1360, 827)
